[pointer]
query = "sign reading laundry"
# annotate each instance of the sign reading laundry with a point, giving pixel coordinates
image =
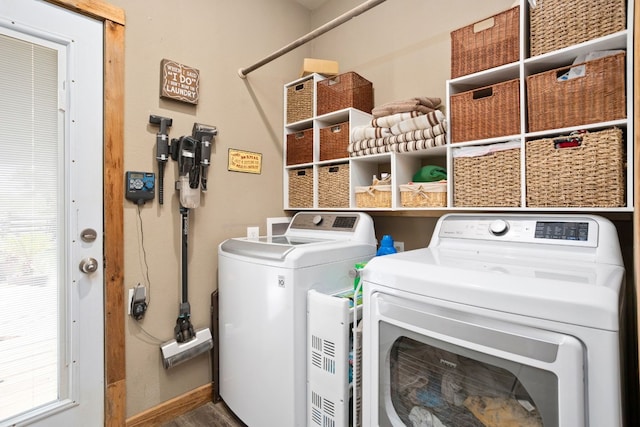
(244, 161)
(179, 82)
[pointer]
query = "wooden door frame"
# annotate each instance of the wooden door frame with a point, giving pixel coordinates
(113, 197)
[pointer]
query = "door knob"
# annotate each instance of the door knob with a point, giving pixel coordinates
(88, 265)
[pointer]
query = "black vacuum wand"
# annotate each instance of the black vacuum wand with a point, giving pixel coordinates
(184, 329)
(192, 154)
(162, 149)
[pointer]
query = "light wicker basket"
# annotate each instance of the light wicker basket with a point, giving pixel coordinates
(580, 170)
(373, 196)
(300, 147)
(555, 24)
(424, 194)
(334, 141)
(486, 112)
(301, 188)
(486, 44)
(598, 96)
(343, 91)
(333, 186)
(491, 180)
(300, 101)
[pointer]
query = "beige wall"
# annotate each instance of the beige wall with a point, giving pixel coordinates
(217, 37)
(403, 47)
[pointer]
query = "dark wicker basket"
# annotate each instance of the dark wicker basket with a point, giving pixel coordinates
(486, 44)
(580, 170)
(555, 24)
(300, 147)
(598, 96)
(487, 112)
(344, 91)
(334, 141)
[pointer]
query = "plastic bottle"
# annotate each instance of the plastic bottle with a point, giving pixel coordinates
(386, 246)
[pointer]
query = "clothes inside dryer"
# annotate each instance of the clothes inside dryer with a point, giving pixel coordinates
(427, 382)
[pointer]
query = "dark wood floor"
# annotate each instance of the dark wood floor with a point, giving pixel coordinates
(209, 414)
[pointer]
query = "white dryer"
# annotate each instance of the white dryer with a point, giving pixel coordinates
(501, 317)
(262, 287)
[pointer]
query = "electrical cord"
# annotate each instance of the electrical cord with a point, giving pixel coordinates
(155, 341)
(144, 256)
(146, 274)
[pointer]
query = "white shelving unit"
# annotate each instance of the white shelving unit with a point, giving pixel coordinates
(528, 66)
(351, 115)
(402, 166)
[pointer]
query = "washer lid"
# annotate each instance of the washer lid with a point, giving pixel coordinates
(269, 247)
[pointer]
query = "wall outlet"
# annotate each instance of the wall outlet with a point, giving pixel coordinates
(399, 246)
(253, 232)
(137, 302)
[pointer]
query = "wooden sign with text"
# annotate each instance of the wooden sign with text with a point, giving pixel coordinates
(244, 161)
(179, 82)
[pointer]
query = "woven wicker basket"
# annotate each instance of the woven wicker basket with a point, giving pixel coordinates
(373, 196)
(486, 44)
(555, 24)
(486, 112)
(598, 96)
(300, 147)
(333, 186)
(300, 101)
(424, 194)
(489, 180)
(301, 188)
(334, 141)
(343, 91)
(587, 172)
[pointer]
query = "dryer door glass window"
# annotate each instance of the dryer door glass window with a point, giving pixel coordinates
(463, 369)
(429, 383)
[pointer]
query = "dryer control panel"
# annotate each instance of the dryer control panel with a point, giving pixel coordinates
(554, 230)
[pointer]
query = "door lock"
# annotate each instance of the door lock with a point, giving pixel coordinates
(88, 235)
(89, 265)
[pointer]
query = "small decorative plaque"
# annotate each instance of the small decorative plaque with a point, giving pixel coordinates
(245, 161)
(179, 82)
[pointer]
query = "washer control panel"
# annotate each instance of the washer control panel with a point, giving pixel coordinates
(570, 231)
(325, 221)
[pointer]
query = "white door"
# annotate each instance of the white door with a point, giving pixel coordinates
(51, 219)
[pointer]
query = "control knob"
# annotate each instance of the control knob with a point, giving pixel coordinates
(499, 227)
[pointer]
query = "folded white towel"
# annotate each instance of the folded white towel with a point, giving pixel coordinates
(365, 132)
(421, 122)
(388, 121)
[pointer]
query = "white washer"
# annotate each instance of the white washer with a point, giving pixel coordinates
(262, 285)
(518, 310)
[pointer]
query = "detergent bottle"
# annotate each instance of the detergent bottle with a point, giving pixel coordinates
(386, 246)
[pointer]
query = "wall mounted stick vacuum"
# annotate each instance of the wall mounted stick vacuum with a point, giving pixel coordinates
(193, 156)
(162, 149)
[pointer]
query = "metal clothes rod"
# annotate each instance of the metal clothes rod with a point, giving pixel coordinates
(242, 72)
